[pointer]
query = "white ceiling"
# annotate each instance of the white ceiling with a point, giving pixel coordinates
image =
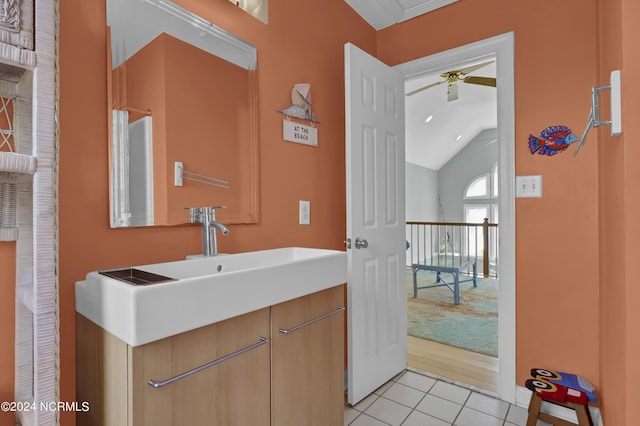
(383, 13)
(432, 144)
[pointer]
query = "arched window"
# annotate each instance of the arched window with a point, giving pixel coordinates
(478, 188)
(483, 186)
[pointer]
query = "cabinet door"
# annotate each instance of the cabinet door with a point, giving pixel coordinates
(101, 375)
(308, 360)
(234, 391)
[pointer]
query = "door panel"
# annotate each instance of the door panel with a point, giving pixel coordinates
(375, 222)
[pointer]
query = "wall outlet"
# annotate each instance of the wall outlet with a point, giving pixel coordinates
(179, 174)
(305, 212)
(529, 186)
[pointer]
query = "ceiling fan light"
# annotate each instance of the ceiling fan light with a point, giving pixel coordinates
(452, 92)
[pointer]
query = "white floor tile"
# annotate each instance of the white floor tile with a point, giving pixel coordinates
(488, 405)
(517, 415)
(382, 389)
(364, 420)
(404, 395)
(450, 392)
(439, 408)
(365, 403)
(412, 399)
(417, 381)
(397, 376)
(417, 418)
(349, 415)
(388, 411)
(470, 417)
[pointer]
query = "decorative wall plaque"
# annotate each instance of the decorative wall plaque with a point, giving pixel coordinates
(16, 23)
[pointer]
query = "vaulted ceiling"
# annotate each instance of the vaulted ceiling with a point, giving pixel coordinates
(437, 129)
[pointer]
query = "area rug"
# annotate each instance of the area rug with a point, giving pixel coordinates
(471, 325)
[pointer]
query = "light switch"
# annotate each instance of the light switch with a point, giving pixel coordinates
(178, 173)
(529, 186)
(305, 212)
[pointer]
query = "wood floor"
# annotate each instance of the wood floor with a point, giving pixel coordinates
(459, 365)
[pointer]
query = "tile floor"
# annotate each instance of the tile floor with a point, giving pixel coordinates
(413, 399)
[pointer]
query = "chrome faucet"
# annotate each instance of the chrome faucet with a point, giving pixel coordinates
(207, 217)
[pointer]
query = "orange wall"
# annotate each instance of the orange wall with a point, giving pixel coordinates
(557, 239)
(613, 273)
(620, 201)
(7, 326)
(577, 246)
(631, 107)
(557, 246)
(303, 42)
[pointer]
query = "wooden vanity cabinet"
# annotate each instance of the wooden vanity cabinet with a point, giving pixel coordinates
(113, 376)
(295, 378)
(307, 361)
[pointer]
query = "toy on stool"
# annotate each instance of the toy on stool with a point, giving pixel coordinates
(557, 393)
(567, 390)
(566, 380)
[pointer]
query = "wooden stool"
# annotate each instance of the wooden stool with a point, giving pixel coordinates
(564, 389)
(582, 411)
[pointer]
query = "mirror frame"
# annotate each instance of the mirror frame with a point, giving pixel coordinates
(226, 46)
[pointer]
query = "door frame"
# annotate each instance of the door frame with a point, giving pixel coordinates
(502, 48)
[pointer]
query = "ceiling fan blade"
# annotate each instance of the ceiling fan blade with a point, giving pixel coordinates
(424, 88)
(452, 92)
(472, 68)
(484, 81)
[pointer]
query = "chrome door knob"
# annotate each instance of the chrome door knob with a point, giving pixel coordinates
(361, 243)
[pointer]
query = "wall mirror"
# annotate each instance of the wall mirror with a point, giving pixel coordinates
(182, 102)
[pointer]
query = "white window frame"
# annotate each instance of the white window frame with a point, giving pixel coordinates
(487, 193)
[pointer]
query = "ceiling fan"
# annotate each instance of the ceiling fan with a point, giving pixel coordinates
(452, 78)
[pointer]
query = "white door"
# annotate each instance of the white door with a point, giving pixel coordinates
(375, 158)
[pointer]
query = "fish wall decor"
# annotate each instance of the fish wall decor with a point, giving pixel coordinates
(552, 140)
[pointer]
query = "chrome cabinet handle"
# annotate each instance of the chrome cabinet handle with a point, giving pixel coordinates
(154, 384)
(361, 243)
(304, 324)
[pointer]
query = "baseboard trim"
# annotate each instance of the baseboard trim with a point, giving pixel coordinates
(523, 396)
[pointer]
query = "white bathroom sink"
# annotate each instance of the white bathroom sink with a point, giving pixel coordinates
(205, 290)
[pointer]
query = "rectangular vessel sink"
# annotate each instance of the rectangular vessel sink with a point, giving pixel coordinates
(205, 290)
